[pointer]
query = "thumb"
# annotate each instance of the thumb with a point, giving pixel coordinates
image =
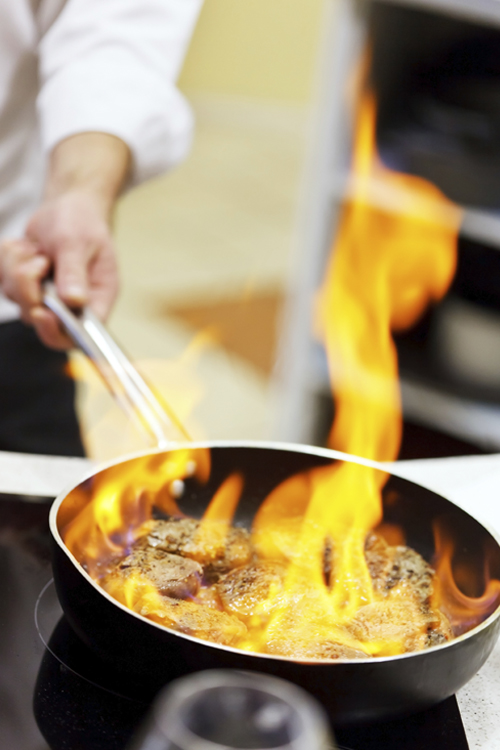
(71, 273)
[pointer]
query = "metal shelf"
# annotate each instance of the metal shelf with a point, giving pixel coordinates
(477, 11)
(301, 372)
(471, 420)
(483, 226)
(474, 421)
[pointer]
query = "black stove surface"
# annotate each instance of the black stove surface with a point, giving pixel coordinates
(55, 693)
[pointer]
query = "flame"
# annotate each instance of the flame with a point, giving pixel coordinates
(115, 518)
(122, 500)
(464, 611)
(108, 432)
(216, 522)
(136, 592)
(395, 253)
(277, 523)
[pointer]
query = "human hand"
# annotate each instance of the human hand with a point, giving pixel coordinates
(68, 234)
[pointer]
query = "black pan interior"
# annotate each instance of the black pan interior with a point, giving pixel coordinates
(409, 506)
(355, 690)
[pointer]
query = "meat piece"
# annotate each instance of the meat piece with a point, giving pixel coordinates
(390, 624)
(194, 619)
(312, 650)
(250, 590)
(391, 566)
(410, 568)
(236, 552)
(182, 536)
(438, 629)
(172, 535)
(378, 558)
(209, 596)
(304, 629)
(399, 625)
(171, 575)
(402, 574)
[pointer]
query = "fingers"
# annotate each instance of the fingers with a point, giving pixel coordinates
(22, 269)
(69, 235)
(48, 329)
(70, 274)
(70, 239)
(87, 274)
(103, 282)
(72, 232)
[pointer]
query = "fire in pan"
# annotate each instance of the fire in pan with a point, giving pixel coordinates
(302, 508)
(368, 688)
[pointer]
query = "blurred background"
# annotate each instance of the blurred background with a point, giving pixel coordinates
(205, 250)
(221, 258)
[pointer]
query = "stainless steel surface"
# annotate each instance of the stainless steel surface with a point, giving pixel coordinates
(129, 388)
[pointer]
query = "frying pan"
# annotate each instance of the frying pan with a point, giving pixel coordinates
(351, 690)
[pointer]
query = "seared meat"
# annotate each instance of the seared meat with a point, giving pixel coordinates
(393, 570)
(309, 650)
(410, 567)
(392, 566)
(304, 630)
(173, 535)
(246, 590)
(172, 575)
(195, 619)
(237, 551)
(175, 559)
(378, 558)
(182, 536)
(438, 630)
(402, 621)
(405, 579)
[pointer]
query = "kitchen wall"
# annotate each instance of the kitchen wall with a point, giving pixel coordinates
(263, 49)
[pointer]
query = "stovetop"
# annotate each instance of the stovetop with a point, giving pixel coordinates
(55, 693)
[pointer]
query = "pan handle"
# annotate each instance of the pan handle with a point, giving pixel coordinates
(128, 387)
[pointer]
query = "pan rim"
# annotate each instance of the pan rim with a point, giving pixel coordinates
(268, 445)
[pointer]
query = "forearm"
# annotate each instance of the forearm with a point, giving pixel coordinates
(93, 163)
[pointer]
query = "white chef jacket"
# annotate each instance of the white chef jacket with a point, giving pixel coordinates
(73, 66)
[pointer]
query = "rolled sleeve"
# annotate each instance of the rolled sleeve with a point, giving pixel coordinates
(110, 66)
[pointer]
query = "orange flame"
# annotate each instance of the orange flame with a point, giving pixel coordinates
(108, 432)
(216, 522)
(395, 253)
(135, 590)
(122, 501)
(463, 611)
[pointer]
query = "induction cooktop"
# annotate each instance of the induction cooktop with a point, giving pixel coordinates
(55, 693)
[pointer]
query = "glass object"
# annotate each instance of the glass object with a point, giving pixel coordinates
(229, 710)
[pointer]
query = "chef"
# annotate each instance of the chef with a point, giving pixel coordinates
(88, 107)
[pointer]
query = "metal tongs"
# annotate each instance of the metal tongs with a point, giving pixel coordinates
(128, 387)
